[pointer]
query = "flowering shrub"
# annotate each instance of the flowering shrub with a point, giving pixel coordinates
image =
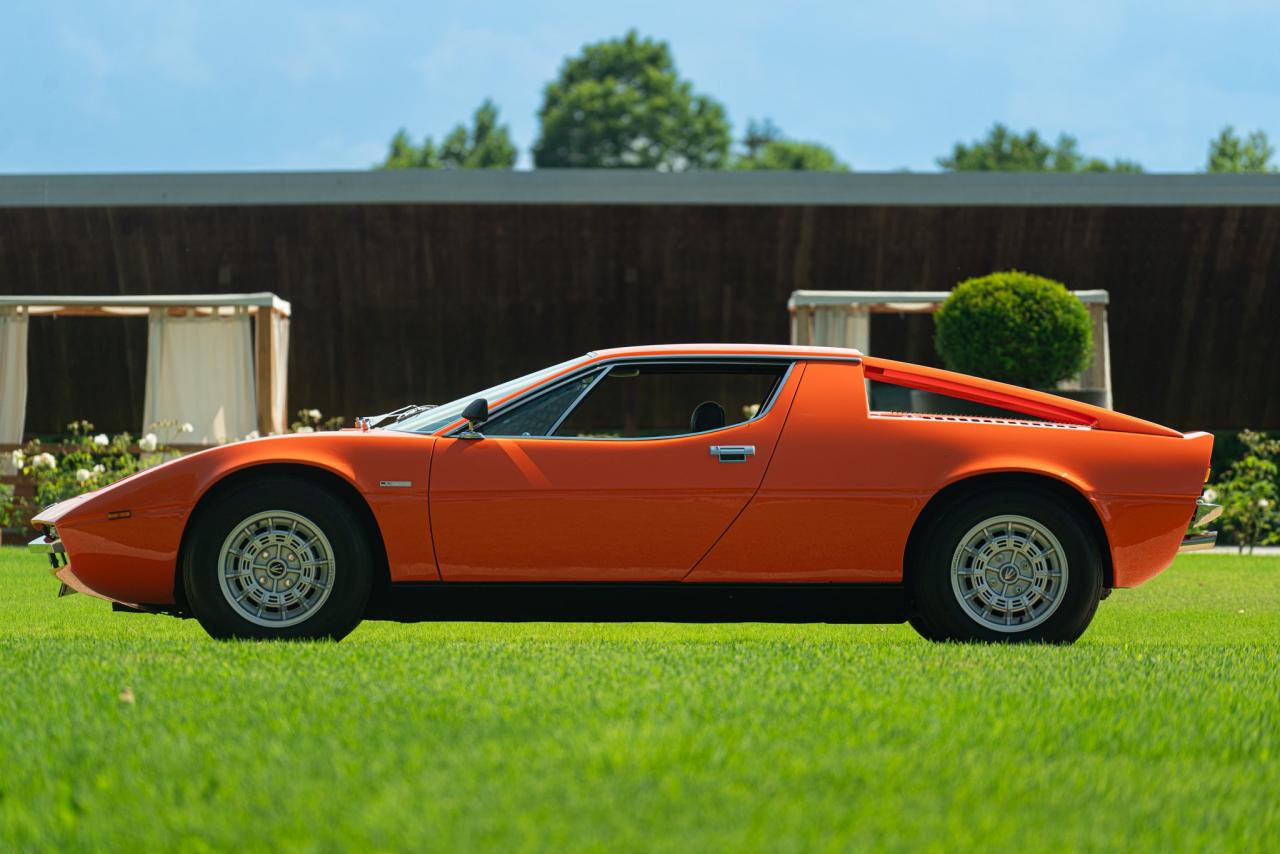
(311, 420)
(6, 506)
(1250, 493)
(88, 461)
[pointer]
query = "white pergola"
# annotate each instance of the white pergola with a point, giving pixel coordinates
(217, 361)
(843, 319)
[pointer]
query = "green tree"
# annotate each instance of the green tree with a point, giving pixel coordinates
(403, 154)
(766, 149)
(621, 103)
(1230, 153)
(1004, 150)
(486, 145)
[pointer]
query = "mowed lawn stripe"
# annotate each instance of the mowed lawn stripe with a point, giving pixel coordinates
(1160, 729)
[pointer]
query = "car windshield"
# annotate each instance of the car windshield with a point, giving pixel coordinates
(437, 417)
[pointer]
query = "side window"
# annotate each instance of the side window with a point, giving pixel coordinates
(902, 400)
(649, 400)
(538, 416)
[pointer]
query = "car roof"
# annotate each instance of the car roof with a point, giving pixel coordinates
(594, 357)
(788, 350)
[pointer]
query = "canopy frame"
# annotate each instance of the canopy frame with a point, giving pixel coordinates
(267, 309)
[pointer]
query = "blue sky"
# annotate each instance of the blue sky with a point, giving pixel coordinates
(158, 86)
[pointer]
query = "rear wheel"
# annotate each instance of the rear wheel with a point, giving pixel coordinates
(277, 558)
(1006, 566)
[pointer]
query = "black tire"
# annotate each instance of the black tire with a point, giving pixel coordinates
(936, 611)
(351, 569)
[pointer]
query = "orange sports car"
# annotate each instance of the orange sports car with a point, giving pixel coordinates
(683, 482)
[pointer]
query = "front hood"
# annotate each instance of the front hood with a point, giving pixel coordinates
(174, 486)
(105, 494)
(51, 514)
(54, 512)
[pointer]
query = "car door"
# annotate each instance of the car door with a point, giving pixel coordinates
(606, 478)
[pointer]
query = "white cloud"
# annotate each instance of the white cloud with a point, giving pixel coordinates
(321, 41)
(330, 152)
(172, 48)
(491, 55)
(169, 32)
(89, 51)
(161, 37)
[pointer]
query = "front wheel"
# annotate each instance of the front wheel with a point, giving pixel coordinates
(277, 558)
(1006, 566)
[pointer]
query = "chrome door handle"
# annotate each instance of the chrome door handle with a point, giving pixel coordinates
(733, 453)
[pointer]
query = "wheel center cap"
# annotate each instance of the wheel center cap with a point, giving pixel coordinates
(1008, 572)
(276, 568)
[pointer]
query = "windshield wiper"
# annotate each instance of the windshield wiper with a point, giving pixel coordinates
(395, 415)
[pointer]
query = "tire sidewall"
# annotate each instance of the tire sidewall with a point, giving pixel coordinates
(939, 614)
(340, 612)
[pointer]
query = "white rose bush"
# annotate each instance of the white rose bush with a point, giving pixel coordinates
(87, 461)
(313, 420)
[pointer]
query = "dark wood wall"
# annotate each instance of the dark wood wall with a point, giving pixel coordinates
(396, 303)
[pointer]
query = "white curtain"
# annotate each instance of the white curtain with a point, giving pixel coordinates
(280, 377)
(200, 371)
(833, 326)
(13, 374)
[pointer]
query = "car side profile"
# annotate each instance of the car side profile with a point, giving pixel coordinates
(678, 482)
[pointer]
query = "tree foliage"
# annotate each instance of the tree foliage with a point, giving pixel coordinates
(621, 103)
(1229, 153)
(486, 145)
(1004, 150)
(766, 149)
(1014, 327)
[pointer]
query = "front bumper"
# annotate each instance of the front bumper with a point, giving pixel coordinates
(1197, 540)
(50, 545)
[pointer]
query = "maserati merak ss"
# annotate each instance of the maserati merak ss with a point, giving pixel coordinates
(679, 483)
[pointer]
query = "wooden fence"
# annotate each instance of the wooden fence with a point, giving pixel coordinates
(396, 303)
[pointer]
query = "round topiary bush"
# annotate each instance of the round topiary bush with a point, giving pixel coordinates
(1016, 328)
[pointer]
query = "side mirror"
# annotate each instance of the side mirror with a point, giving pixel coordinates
(476, 413)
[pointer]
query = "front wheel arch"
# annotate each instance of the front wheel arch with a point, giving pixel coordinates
(322, 478)
(967, 488)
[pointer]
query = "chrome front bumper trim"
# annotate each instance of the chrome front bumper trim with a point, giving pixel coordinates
(50, 545)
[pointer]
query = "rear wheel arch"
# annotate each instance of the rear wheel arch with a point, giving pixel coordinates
(321, 478)
(1062, 491)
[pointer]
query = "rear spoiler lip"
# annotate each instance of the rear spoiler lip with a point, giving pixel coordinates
(1027, 401)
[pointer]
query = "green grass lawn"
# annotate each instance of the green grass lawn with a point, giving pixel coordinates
(1159, 730)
